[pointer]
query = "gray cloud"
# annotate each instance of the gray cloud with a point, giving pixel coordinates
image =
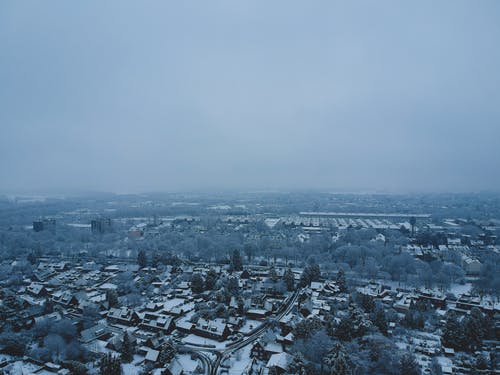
(130, 96)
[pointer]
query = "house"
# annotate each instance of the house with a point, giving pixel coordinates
(150, 355)
(123, 315)
(257, 351)
(374, 290)
(97, 332)
(235, 323)
(437, 300)
(155, 342)
(215, 329)
(115, 342)
(286, 323)
(157, 322)
(286, 340)
(36, 290)
(264, 351)
(316, 286)
(184, 326)
(52, 317)
(257, 313)
(65, 299)
(174, 368)
(472, 266)
(330, 288)
(42, 275)
(245, 274)
(279, 362)
(403, 302)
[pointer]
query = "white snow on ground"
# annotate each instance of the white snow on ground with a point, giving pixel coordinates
(201, 341)
(402, 345)
(5, 358)
(239, 361)
(171, 303)
(133, 368)
(250, 325)
(79, 225)
(458, 289)
(188, 364)
(130, 369)
(444, 361)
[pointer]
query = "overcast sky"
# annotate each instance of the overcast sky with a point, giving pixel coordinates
(174, 95)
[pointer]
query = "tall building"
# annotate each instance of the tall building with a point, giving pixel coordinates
(44, 224)
(101, 225)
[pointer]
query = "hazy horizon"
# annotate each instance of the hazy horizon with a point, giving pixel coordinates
(243, 96)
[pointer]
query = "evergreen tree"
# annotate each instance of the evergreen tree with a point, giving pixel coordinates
(413, 318)
(110, 365)
(233, 286)
(453, 333)
(314, 272)
(380, 320)
(474, 329)
(408, 365)
(273, 274)
(241, 306)
(341, 281)
(249, 251)
(345, 330)
(76, 368)
(236, 262)
(298, 365)
(197, 283)
(493, 360)
(306, 328)
(126, 352)
(32, 258)
(435, 367)
(210, 279)
(359, 323)
(142, 260)
(367, 302)
(48, 306)
(156, 259)
(481, 362)
(413, 221)
(288, 279)
(311, 273)
(336, 361)
(167, 353)
(112, 298)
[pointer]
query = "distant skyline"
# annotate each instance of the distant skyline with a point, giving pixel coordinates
(123, 96)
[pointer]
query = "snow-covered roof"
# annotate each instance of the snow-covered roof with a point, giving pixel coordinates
(280, 360)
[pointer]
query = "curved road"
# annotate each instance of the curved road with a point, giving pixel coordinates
(212, 368)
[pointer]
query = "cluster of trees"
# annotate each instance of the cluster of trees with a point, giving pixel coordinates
(354, 250)
(236, 262)
(289, 279)
(52, 341)
(200, 284)
(47, 341)
(14, 344)
(57, 341)
(127, 349)
(167, 353)
(110, 365)
(467, 333)
(310, 273)
(355, 344)
(321, 354)
(488, 281)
